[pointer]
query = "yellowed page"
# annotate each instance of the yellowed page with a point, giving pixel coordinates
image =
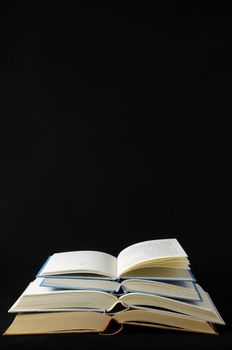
(163, 318)
(205, 328)
(148, 250)
(204, 309)
(161, 272)
(42, 323)
(179, 290)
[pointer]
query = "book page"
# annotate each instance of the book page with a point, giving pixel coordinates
(80, 283)
(164, 318)
(148, 250)
(85, 261)
(37, 298)
(59, 322)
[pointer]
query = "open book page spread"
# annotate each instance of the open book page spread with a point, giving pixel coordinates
(149, 250)
(85, 261)
(69, 322)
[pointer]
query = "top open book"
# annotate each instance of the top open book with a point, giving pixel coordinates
(144, 259)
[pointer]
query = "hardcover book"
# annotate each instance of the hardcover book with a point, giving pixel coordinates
(174, 289)
(80, 322)
(164, 258)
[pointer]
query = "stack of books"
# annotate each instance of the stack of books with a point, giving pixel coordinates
(149, 284)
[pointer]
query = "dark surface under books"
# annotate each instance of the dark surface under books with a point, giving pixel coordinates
(114, 129)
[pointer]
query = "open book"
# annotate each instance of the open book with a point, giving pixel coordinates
(145, 259)
(42, 299)
(76, 322)
(172, 289)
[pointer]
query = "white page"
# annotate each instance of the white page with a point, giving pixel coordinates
(32, 289)
(35, 288)
(148, 250)
(85, 261)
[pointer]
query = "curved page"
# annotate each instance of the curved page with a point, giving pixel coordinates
(36, 298)
(85, 261)
(149, 250)
(160, 317)
(58, 322)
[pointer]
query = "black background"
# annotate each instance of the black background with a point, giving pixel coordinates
(114, 129)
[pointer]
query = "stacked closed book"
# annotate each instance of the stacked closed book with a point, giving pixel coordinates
(149, 284)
